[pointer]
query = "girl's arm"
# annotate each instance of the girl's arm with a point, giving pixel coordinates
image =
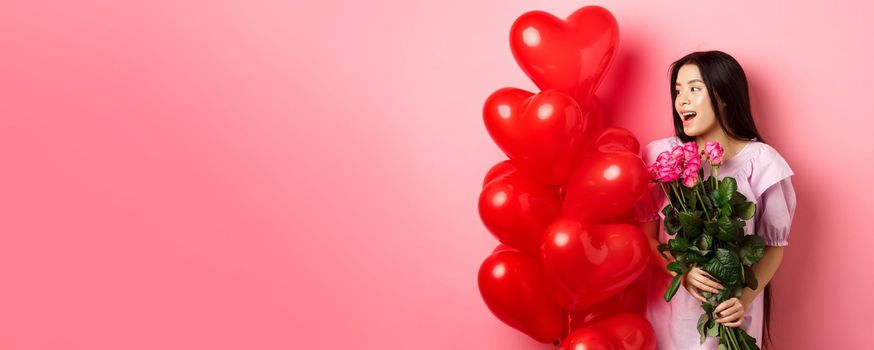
(764, 271)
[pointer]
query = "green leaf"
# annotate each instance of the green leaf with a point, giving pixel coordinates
(713, 329)
(682, 258)
(672, 224)
(675, 267)
(752, 248)
(745, 210)
(707, 307)
(729, 230)
(738, 198)
(711, 228)
(664, 247)
(750, 278)
(705, 242)
(699, 251)
(672, 288)
(690, 198)
(679, 244)
(692, 223)
(725, 210)
(729, 185)
(725, 267)
(721, 347)
(707, 202)
(719, 198)
(725, 231)
(702, 325)
(694, 257)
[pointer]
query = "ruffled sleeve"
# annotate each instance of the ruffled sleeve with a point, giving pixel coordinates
(772, 185)
(647, 208)
(777, 209)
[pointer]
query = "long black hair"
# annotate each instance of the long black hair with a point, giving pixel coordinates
(726, 84)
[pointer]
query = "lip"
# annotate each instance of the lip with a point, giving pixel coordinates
(687, 122)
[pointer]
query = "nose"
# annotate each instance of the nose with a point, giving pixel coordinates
(682, 100)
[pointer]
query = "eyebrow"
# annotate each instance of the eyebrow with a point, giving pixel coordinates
(690, 81)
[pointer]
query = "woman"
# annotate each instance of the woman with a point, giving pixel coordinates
(711, 103)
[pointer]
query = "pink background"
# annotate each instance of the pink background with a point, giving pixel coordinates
(271, 175)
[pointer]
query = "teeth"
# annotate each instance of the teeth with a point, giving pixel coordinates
(689, 115)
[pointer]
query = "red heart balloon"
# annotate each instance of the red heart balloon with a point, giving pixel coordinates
(516, 208)
(632, 331)
(541, 133)
(632, 299)
(515, 288)
(605, 184)
(617, 139)
(499, 170)
(593, 262)
(567, 55)
(590, 339)
(628, 217)
(561, 297)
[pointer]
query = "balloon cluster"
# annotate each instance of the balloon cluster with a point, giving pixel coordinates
(571, 267)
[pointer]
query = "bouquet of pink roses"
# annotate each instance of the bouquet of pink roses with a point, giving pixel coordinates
(706, 218)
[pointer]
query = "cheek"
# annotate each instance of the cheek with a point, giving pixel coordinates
(702, 101)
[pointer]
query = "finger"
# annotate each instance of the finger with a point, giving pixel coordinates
(725, 305)
(702, 283)
(734, 324)
(703, 274)
(730, 315)
(709, 282)
(698, 285)
(694, 292)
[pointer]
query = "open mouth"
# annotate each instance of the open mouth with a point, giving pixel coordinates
(689, 115)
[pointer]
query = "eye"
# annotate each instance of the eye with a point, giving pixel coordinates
(695, 87)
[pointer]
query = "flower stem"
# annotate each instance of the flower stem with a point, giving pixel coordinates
(733, 338)
(680, 198)
(668, 196)
(716, 176)
(703, 206)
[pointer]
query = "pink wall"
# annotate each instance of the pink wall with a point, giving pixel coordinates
(240, 175)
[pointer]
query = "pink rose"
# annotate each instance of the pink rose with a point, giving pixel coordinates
(679, 154)
(692, 157)
(669, 174)
(690, 149)
(714, 152)
(690, 173)
(666, 168)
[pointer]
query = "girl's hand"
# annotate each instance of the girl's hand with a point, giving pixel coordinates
(730, 313)
(697, 279)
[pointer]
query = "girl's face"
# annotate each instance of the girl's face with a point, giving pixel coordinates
(693, 103)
